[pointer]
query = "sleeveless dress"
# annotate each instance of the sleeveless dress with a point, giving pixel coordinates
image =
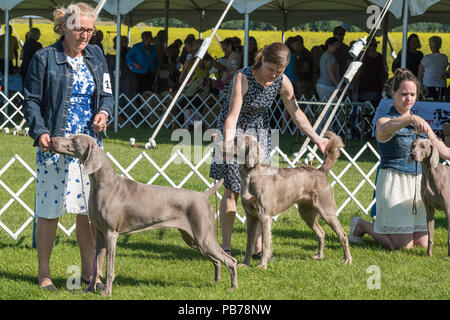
(253, 119)
(58, 183)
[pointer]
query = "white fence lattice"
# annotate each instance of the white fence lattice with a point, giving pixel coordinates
(193, 171)
(146, 112)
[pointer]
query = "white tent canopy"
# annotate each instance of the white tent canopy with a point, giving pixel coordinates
(284, 14)
(203, 14)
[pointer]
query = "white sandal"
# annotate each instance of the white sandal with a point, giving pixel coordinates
(351, 237)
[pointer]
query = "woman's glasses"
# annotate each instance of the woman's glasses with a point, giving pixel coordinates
(89, 31)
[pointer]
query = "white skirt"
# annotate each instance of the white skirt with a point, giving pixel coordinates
(395, 198)
(59, 186)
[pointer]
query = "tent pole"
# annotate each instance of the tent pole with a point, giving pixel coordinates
(117, 76)
(405, 33)
(166, 15)
(6, 66)
(246, 36)
(200, 54)
(385, 39)
(342, 81)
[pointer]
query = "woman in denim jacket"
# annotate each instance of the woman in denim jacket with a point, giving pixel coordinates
(67, 91)
(401, 216)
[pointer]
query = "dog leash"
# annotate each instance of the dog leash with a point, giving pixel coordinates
(414, 208)
(217, 220)
(94, 274)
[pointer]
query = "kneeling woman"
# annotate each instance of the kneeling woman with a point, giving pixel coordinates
(401, 216)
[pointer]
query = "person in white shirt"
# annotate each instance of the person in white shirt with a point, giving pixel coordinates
(432, 70)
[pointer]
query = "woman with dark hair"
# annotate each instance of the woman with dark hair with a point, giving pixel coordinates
(252, 50)
(30, 47)
(245, 110)
(401, 216)
(232, 60)
(413, 56)
(329, 70)
(143, 61)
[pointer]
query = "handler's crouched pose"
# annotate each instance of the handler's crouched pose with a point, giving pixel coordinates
(67, 91)
(245, 110)
(401, 216)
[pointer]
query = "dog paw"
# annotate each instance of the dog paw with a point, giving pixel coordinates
(106, 292)
(242, 265)
(347, 261)
(318, 257)
(262, 266)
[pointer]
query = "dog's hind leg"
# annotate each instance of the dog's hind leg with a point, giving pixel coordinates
(333, 222)
(211, 248)
(191, 243)
(310, 216)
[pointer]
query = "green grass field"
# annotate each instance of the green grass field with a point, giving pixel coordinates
(159, 265)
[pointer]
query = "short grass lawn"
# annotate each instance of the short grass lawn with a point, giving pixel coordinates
(158, 264)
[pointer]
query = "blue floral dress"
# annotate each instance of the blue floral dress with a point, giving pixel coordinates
(253, 119)
(59, 182)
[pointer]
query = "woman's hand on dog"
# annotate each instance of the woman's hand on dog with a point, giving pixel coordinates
(322, 144)
(45, 142)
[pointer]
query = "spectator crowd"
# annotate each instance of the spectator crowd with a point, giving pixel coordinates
(154, 66)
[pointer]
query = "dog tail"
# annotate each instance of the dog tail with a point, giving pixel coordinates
(214, 188)
(332, 152)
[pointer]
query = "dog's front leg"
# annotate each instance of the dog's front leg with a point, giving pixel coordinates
(447, 214)
(100, 251)
(266, 229)
(252, 227)
(430, 223)
(111, 253)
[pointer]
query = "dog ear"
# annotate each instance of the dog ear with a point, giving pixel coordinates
(93, 161)
(434, 159)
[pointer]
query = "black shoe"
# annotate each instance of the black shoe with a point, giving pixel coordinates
(257, 256)
(99, 285)
(50, 287)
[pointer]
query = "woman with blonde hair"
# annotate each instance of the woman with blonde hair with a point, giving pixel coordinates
(67, 91)
(246, 110)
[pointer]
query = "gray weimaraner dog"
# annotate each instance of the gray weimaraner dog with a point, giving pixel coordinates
(118, 205)
(268, 191)
(435, 185)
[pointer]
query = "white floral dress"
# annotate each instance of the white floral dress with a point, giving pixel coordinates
(59, 182)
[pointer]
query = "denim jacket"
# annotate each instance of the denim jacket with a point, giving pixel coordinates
(395, 152)
(48, 89)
